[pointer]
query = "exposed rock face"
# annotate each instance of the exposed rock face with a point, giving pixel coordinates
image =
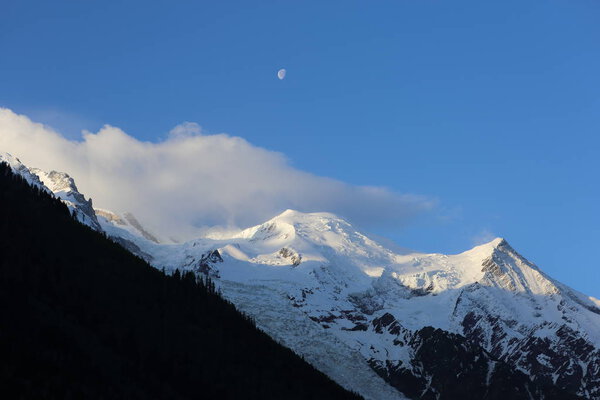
(206, 264)
(63, 187)
(294, 257)
(565, 359)
(444, 365)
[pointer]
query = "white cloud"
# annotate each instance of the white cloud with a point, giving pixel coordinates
(191, 180)
(484, 236)
(185, 130)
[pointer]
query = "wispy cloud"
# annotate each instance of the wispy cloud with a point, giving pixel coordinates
(484, 236)
(190, 181)
(68, 124)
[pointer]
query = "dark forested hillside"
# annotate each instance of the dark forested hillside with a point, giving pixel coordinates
(81, 317)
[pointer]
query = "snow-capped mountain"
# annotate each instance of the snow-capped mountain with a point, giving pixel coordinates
(19, 168)
(58, 183)
(63, 187)
(313, 282)
(381, 322)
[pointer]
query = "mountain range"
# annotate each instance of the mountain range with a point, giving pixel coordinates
(83, 318)
(382, 322)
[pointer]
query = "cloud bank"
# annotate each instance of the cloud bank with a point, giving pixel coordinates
(191, 181)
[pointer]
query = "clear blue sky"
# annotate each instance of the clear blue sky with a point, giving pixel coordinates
(493, 108)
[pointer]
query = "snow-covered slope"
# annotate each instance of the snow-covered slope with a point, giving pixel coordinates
(63, 187)
(315, 270)
(379, 321)
(20, 169)
(58, 183)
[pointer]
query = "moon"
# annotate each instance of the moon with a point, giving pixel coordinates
(281, 73)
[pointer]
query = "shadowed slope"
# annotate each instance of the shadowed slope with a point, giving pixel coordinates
(82, 317)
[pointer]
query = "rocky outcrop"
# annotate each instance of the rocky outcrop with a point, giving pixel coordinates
(449, 366)
(63, 187)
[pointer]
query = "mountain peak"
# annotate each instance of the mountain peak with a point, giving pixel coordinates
(21, 169)
(485, 250)
(492, 244)
(290, 223)
(9, 159)
(499, 241)
(289, 212)
(295, 215)
(56, 181)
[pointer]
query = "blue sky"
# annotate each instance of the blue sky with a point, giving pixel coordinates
(491, 108)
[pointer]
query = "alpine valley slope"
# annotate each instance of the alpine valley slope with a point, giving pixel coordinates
(485, 323)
